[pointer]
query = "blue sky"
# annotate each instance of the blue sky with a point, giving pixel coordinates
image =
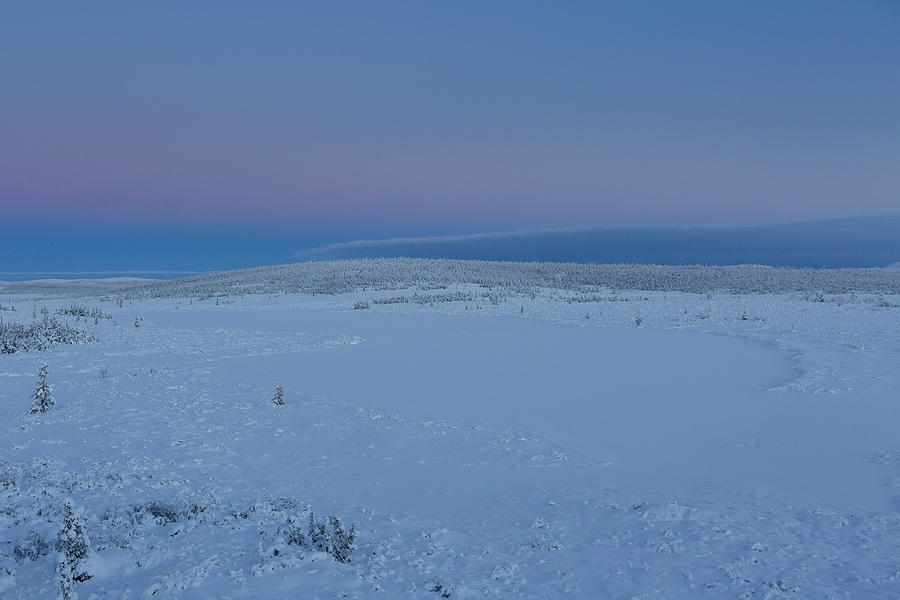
(327, 120)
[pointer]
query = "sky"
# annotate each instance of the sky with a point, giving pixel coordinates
(328, 121)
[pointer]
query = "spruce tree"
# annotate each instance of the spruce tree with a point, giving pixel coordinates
(278, 400)
(343, 541)
(43, 394)
(73, 546)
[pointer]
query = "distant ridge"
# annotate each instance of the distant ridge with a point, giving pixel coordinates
(844, 243)
(84, 286)
(343, 276)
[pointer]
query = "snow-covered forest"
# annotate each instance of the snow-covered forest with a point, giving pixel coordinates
(345, 276)
(453, 429)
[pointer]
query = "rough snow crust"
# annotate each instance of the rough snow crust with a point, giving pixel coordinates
(493, 439)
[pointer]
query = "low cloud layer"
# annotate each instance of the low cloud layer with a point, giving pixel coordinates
(865, 242)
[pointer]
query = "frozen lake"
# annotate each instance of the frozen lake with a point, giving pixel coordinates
(649, 409)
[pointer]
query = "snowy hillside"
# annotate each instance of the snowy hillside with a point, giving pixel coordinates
(350, 275)
(487, 430)
(80, 287)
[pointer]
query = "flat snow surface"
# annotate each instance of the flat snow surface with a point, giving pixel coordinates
(515, 446)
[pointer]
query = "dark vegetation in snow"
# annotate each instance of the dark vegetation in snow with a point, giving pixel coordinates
(83, 312)
(399, 273)
(43, 394)
(40, 335)
(39, 516)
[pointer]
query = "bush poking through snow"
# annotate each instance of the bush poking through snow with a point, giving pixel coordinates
(439, 587)
(83, 312)
(342, 541)
(278, 398)
(361, 305)
(638, 319)
(43, 393)
(73, 546)
(39, 336)
(34, 547)
(330, 537)
(165, 513)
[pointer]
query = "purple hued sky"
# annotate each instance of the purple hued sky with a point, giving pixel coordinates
(422, 117)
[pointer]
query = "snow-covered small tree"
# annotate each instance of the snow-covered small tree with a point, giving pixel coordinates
(73, 546)
(331, 537)
(43, 393)
(343, 541)
(638, 319)
(278, 399)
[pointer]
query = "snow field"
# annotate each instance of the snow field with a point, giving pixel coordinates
(485, 444)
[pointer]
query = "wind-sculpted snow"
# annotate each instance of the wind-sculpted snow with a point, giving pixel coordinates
(351, 275)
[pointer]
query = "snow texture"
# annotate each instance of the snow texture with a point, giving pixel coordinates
(471, 439)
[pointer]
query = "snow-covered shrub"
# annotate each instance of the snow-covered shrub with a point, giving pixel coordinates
(392, 300)
(43, 393)
(83, 312)
(9, 474)
(437, 586)
(361, 305)
(39, 336)
(165, 513)
(150, 532)
(73, 311)
(425, 298)
(330, 537)
(343, 541)
(32, 548)
(882, 303)
(278, 398)
(73, 546)
(638, 319)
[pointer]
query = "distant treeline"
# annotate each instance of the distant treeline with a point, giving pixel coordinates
(385, 274)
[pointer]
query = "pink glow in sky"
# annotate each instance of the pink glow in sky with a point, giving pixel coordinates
(462, 115)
